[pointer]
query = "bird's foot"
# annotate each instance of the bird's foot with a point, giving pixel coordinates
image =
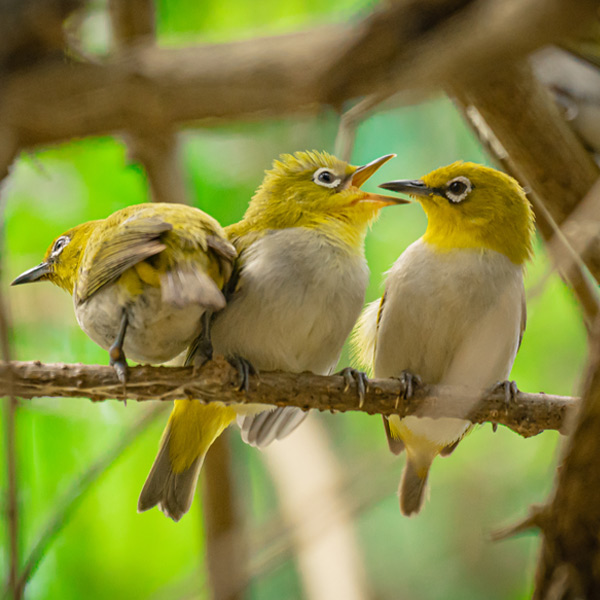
(409, 383)
(510, 390)
(353, 377)
(244, 368)
(118, 362)
(203, 352)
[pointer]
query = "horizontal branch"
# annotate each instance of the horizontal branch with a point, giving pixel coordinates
(150, 89)
(528, 414)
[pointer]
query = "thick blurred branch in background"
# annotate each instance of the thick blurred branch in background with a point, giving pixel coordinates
(570, 555)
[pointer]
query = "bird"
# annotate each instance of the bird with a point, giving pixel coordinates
(453, 311)
(142, 280)
(298, 287)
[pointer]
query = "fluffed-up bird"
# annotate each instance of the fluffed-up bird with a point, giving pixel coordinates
(142, 280)
(453, 311)
(298, 288)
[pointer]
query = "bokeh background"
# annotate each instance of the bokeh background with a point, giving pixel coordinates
(104, 549)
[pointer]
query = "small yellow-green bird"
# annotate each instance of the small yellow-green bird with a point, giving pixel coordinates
(300, 283)
(453, 311)
(141, 279)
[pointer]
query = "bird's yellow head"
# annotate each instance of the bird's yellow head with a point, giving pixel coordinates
(472, 206)
(315, 190)
(62, 259)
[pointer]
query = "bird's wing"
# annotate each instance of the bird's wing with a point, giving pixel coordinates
(523, 317)
(364, 336)
(122, 246)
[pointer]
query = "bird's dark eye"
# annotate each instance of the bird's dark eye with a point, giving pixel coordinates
(326, 178)
(457, 187)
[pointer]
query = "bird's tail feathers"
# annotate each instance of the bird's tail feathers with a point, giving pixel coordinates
(269, 425)
(191, 430)
(188, 284)
(413, 485)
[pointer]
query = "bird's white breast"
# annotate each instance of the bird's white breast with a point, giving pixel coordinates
(298, 298)
(157, 331)
(451, 317)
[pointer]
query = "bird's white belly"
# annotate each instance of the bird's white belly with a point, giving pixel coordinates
(298, 299)
(156, 331)
(453, 318)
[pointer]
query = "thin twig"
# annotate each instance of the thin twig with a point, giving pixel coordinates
(217, 381)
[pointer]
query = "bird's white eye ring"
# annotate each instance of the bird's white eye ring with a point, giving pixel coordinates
(59, 245)
(326, 178)
(458, 189)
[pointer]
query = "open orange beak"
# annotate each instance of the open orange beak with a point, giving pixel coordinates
(363, 173)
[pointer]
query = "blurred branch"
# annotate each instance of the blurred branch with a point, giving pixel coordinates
(147, 89)
(7, 153)
(542, 149)
(66, 506)
(31, 30)
(133, 25)
(570, 555)
(10, 440)
(517, 120)
(330, 562)
(427, 44)
(226, 552)
(527, 415)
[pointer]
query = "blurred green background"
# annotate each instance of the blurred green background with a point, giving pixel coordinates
(107, 550)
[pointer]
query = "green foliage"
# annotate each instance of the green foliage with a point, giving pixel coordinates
(107, 550)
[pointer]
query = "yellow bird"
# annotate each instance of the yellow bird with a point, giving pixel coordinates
(298, 289)
(453, 311)
(142, 280)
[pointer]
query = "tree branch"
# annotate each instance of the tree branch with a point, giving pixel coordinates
(528, 415)
(151, 89)
(571, 548)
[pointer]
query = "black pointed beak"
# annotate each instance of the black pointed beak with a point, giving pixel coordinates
(34, 274)
(413, 187)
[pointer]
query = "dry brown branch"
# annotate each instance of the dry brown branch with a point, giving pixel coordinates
(528, 415)
(571, 543)
(149, 89)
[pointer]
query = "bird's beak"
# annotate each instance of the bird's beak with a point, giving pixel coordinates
(363, 173)
(34, 274)
(412, 187)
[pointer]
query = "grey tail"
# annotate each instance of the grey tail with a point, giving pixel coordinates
(173, 492)
(412, 487)
(265, 427)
